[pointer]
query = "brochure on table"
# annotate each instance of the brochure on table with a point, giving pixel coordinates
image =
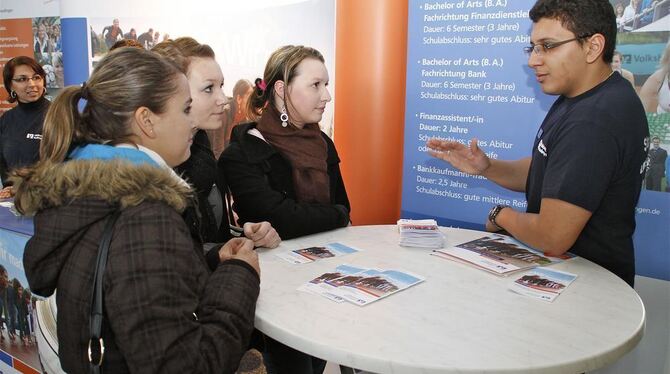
(498, 254)
(543, 283)
(311, 254)
(360, 286)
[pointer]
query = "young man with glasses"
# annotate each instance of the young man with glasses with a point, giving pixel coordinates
(583, 179)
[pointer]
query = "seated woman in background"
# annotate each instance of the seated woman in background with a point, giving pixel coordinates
(236, 113)
(241, 93)
(283, 168)
(205, 80)
(165, 311)
(21, 126)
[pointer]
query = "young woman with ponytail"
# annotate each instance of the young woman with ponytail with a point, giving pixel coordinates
(165, 310)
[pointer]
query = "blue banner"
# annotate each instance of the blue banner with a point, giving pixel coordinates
(467, 77)
(75, 50)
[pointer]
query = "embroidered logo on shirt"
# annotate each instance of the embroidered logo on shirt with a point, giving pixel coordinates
(542, 148)
(34, 136)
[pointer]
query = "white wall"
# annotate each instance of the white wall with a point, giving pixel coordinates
(10, 9)
(652, 354)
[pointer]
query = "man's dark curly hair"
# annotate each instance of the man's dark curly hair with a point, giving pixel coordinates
(583, 18)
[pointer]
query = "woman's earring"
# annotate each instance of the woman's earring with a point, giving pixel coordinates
(13, 94)
(283, 117)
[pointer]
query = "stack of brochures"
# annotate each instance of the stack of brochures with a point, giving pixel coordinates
(360, 286)
(423, 233)
(498, 254)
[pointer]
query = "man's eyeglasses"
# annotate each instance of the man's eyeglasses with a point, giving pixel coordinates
(23, 79)
(542, 48)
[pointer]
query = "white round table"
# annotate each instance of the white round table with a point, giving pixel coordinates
(460, 320)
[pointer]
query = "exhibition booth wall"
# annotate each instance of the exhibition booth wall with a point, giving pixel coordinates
(401, 72)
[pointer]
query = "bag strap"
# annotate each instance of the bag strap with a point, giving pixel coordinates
(96, 345)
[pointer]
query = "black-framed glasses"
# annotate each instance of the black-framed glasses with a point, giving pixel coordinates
(23, 79)
(542, 48)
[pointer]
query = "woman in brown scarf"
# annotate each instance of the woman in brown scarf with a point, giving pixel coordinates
(284, 170)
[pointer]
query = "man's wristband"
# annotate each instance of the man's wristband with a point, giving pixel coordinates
(493, 214)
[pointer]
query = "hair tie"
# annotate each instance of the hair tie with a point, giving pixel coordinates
(83, 99)
(260, 84)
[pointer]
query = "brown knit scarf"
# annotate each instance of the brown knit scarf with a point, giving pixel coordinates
(305, 149)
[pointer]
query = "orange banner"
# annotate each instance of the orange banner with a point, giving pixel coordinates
(16, 39)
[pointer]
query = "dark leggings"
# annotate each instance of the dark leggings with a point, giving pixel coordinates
(282, 359)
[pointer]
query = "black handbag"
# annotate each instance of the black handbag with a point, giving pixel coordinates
(96, 344)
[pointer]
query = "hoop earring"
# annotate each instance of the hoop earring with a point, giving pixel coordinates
(12, 93)
(283, 117)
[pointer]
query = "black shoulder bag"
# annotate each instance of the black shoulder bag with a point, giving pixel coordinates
(96, 345)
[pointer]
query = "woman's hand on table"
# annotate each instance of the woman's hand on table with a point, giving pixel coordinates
(262, 234)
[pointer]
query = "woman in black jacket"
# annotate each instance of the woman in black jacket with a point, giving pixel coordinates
(197, 62)
(282, 168)
(21, 126)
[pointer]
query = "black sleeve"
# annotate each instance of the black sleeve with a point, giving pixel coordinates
(212, 256)
(213, 261)
(338, 191)
(3, 170)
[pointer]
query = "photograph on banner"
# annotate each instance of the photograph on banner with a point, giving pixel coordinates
(38, 38)
(642, 15)
(107, 31)
(48, 50)
(20, 341)
(17, 305)
(242, 35)
(17, 40)
(644, 59)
